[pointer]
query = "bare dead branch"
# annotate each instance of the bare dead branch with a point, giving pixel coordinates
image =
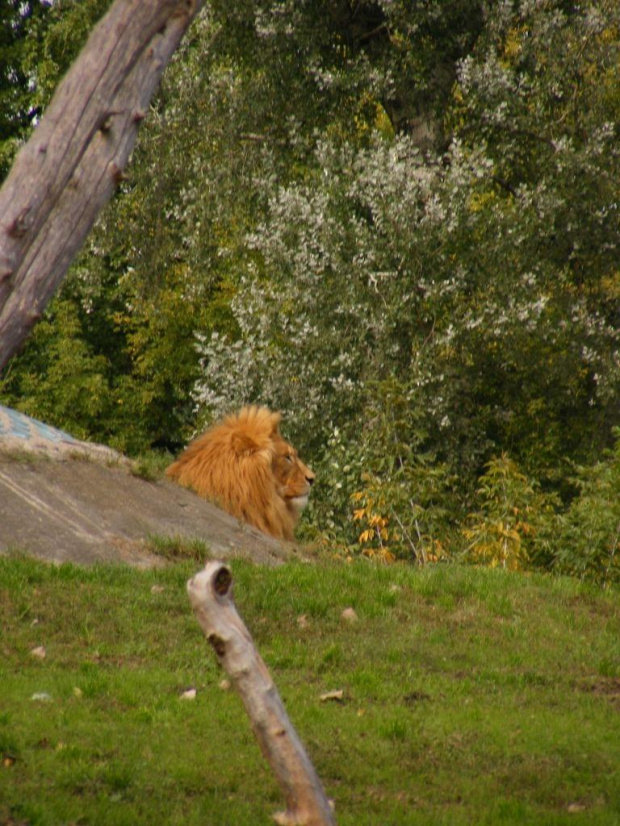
(211, 596)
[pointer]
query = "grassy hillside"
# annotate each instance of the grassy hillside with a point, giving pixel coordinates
(470, 696)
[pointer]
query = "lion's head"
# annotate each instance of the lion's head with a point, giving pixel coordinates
(244, 465)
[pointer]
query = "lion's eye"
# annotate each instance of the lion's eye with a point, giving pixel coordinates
(289, 459)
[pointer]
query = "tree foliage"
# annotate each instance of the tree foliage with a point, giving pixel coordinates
(20, 25)
(399, 225)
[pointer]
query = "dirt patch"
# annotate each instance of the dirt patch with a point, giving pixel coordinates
(604, 686)
(69, 501)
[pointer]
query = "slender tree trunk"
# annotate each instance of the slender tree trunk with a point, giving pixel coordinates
(210, 593)
(68, 170)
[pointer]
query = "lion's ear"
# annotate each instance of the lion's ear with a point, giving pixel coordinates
(243, 443)
(276, 418)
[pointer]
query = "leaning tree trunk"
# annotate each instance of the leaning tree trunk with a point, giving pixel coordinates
(67, 172)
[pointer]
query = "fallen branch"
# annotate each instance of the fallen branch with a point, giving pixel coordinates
(211, 597)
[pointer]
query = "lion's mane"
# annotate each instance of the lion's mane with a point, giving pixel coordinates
(245, 466)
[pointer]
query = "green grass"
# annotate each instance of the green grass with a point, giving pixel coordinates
(151, 466)
(175, 548)
(470, 696)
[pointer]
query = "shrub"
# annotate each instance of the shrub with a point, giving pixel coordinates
(504, 530)
(587, 541)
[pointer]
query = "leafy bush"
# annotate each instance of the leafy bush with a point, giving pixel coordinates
(503, 532)
(588, 533)
(59, 379)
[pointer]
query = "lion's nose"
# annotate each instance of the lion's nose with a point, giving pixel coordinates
(310, 479)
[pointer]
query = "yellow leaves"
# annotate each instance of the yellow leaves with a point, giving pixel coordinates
(378, 522)
(478, 201)
(457, 94)
(371, 116)
(383, 124)
(512, 45)
(392, 525)
(377, 531)
(610, 286)
(435, 551)
(496, 544)
(499, 532)
(383, 555)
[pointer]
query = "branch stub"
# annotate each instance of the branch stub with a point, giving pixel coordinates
(218, 645)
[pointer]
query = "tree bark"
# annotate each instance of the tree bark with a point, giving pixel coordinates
(68, 170)
(210, 594)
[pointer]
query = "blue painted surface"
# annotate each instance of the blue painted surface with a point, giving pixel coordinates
(16, 424)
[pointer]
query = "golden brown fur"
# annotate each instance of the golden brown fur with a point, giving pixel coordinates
(244, 465)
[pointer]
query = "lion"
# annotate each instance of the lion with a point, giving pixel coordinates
(245, 466)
